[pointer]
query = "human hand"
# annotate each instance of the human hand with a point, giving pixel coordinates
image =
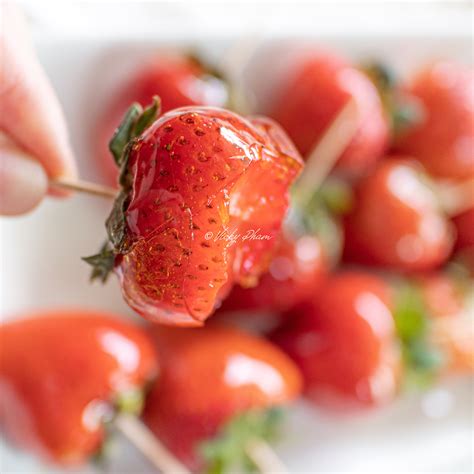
(34, 145)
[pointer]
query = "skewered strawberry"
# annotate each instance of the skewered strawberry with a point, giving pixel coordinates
(344, 342)
(216, 383)
(396, 221)
(191, 180)
(444, 138)
(63, 373)
(311, 98)
(178, 79)
(296, 270)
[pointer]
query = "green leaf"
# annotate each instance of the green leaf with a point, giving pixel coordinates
(130, 401)
(402, 110)
(116, 224)
(410, 313)
(102, 263)
(336, 195)
(134, 123)
(227, 452)
(123, 133)
(147, 117)
(422, 360)
(314, 218)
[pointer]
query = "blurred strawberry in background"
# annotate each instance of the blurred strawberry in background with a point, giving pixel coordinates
(344, 341)
(317, 88)
(216, 386)
(396, 221)
(443, 140)
(178, 79)
(63, 374)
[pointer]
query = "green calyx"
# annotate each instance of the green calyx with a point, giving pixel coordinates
(403, 111)
(102, 263)
(312, 215)
(134, 123)
(227, 452)
(130, 401)
(422, 361)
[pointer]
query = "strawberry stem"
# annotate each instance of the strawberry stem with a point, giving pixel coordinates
(144, 440)
(264, 457)
(323, 157)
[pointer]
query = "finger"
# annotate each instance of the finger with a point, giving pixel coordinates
(29, 110)
(23, 181)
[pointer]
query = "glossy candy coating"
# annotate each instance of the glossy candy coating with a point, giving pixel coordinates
(396, 221)
(317, 90)
(210, 375)
(344, 342)
(200, 175)
(178, 80)
(60, 372)
(297, 269)
(443, 141)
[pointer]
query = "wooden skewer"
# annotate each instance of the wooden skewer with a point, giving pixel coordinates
(329, 148)
(456, 198)
(84, 187)
(144, 440)
(264, 457)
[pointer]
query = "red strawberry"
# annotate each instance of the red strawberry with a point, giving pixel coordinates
(209, 376)
(344, 342)
(61, 372)
(178, 79)
(320, 85)
(444, 139)
(191, 180)
(396, 221)
(296, 270)
(464, 224)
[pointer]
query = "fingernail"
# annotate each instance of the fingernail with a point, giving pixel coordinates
(23, 183)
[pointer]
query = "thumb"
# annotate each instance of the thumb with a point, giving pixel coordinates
(23, 181)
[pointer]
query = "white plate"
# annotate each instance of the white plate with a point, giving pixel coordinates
(41, 266)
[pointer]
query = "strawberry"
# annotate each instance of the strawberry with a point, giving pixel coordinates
(62, 373)
(343, 340)
(396, 221)
(309, 247)
(216, 382)
(316, 91)
(297, 268)
(444, 138)
(180, 80)
(203, 195)
(464, 224)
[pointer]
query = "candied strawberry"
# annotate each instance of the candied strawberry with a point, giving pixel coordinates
(61, 373)
(464, 224)
(209, 376)
(444, 139)
(180, 80)
(396, 221)
(344, 342)
(297, 269)
(316, 91)
(192, 180)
